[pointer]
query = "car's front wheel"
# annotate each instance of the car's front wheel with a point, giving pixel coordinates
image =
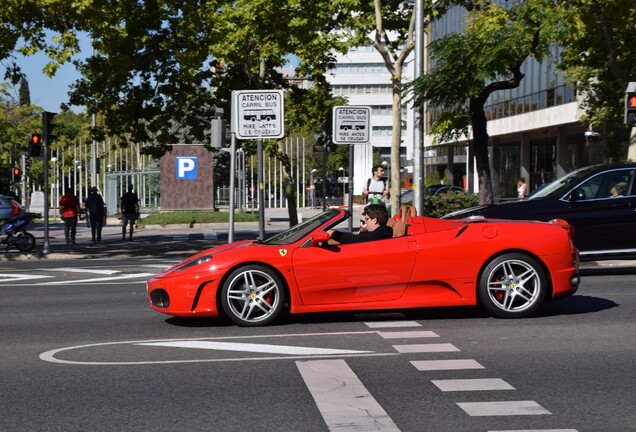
(252, 295)
(513, 286)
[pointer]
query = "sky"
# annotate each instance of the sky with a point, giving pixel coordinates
(47, 92)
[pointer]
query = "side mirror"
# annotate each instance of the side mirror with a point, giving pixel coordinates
(320, 237)
(577, 195)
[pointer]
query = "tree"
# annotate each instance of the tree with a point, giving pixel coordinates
(389, 26)
(25, 94)
(485, 58)
(600, 55)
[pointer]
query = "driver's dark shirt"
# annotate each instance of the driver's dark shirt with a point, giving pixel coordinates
(380, 233)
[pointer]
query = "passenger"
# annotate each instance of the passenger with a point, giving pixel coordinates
(618, 189)
(376, 218)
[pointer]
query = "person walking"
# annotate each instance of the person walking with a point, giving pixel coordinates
(377, 190)
(522, 188)
(69, 210)
(129, 212)
(95, 208)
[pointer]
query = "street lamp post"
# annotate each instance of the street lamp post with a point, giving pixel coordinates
(312, 187)
(342, 182)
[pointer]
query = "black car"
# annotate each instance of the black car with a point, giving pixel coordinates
(599, 201)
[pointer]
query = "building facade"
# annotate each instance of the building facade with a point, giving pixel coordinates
(362, 78)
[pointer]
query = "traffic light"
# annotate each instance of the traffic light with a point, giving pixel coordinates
(35, 145)
(17, 175)
(630, 104)
(47, 127)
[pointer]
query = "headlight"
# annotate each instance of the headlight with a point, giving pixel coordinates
(196, 262)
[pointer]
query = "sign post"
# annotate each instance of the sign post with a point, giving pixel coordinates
(258, 114)
(351, 125)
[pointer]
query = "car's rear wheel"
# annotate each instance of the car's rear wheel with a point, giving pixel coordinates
(252, 295)
(512, 286)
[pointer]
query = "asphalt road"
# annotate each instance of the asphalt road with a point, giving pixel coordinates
(81, 350)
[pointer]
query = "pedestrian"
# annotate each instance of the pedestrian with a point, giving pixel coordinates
(95, 209)
(377, 190)
(129, 212)
(522, 188)
(69, 210)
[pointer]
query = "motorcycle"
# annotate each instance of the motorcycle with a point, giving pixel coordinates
(14, 233)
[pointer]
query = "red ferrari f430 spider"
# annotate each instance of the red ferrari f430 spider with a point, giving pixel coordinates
(508, 267)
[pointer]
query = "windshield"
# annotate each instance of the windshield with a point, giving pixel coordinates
(558, 187)
(299, 231)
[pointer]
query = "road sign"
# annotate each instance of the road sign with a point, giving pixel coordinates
(351, 124)
(258, 114)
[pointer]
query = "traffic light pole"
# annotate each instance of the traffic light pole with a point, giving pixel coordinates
(45, 250)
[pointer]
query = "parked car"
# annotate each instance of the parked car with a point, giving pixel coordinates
(598, 201)
(407, 196)
(509, 268)
(9, 208)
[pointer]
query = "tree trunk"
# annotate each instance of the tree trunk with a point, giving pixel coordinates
(290, 194)
(396, 141)
(480, 149)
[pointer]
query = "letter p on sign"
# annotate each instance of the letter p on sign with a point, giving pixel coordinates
(186, 168)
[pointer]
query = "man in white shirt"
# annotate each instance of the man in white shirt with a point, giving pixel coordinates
(377, 189)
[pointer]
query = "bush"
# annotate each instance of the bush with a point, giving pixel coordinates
(194, 217)
(438, 206)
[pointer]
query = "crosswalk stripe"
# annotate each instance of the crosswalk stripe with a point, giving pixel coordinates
(343, 401)
(104, 279)
(408, 334)
(14, 277)
(502, 408)
(425, 348)
(476, 384)
(433, 365)
(390, 324)
(535, 430)
(83, 270)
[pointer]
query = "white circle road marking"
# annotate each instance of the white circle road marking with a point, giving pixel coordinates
(302, 352)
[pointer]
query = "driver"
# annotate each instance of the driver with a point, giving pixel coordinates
(375, 217)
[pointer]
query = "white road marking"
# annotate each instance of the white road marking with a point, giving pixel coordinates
(426, 348)
(14, 277)
(503, 408)
(84, 270)
(343, 401)
(477, 384)
(250, 347)
(387, 324)
(536, 430)
(104, 279)
(433, 365)
(407, 334)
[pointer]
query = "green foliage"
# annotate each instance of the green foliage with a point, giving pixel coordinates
(600, 56)
(194, 217)
(439, 205)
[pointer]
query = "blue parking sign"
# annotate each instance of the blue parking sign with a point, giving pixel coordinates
(186, 168)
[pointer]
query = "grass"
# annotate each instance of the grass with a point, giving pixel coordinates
(194, 217)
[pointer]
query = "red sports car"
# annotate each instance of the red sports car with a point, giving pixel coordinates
(508, 267)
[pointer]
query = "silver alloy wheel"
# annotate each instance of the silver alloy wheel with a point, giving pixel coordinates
(513, 285)
(252, 296)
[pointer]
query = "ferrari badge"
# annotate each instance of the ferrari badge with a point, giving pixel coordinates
(282, 252)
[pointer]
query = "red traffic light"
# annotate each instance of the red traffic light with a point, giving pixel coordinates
(17, 174)
(631, 101)
(35, 145)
